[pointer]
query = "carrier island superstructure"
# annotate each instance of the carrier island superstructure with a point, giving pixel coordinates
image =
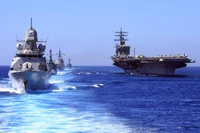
(29, 69)
(141, 65)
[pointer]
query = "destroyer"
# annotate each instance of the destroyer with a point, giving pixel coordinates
(69, 65)
(52, 68)
(60, 62)
(141, 65)
(28, 69)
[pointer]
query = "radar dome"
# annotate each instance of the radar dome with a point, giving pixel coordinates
(20, 46)
(42, 47)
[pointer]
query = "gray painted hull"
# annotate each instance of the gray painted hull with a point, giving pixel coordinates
(69, 66)
(152, 69)
(33, 80)
(60, 67)
(53, 71)
(155, 68)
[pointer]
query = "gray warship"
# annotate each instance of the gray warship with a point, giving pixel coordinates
(52, 68)
(60, 62)
(29, 69)
(141, 65)
(69, 65)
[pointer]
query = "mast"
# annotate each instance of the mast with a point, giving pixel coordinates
(31, 25)
(31, 38)
(121, 34)
(59, 54)
(50, 56)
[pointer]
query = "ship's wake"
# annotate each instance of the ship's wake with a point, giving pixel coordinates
(61, 73)
(6, 88)
(63, 81)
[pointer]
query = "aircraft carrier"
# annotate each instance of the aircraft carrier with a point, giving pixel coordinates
(141, 65)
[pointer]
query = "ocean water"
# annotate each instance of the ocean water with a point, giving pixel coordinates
(103, 100)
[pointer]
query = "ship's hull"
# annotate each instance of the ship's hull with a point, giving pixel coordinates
(52, 68)
(60, 67)
(69, 66)
(53, 71)
(33, 80)
(155, 68)
(60, 64)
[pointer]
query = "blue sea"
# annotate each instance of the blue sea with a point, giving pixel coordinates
(103, 100)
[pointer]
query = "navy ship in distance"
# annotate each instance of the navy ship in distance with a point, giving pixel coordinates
(60, 62)
(52, 68)
(69, 65)
(141, 65)
(28, 69)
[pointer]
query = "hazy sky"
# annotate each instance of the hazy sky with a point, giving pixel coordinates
(84, 29)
